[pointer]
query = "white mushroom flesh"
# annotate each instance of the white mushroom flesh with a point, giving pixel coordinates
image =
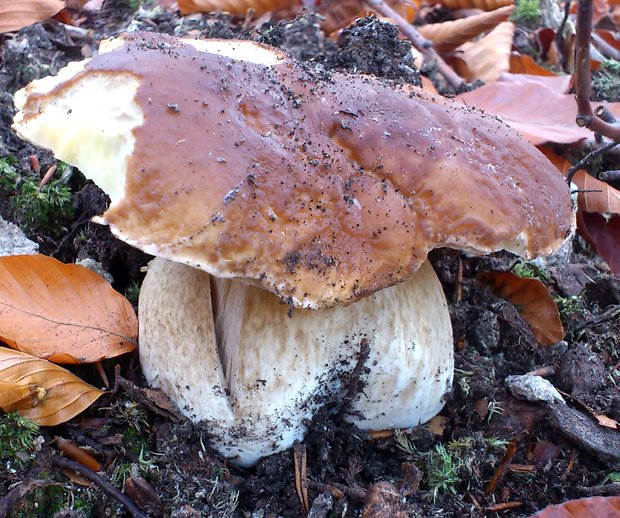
(255, 374)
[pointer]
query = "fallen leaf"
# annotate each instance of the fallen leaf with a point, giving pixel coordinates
(547, 116)
(338, 14)
(15, 14)
(597, 196)
(524, 64)
(485, 5)
(488, 57)
(234, 7)
(437, 424)
(73, 451)
(62, 312)
(607, 422)
(590, 507)
(533, 301)
(40, 390)
(603, 234)
(600, 196)
(449, 35)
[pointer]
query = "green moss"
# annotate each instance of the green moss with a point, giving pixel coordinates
(527, 13)
(46, 208)
(17, 437)
(606, 81)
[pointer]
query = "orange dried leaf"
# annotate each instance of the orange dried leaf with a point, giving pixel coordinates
(590, 507)
(489, 57)
(234, 7)
(15, 14)
(338, 14)
(524, 64)
(547, 116)
(533, 301)
(600, 196)
(62, 312)
(40, 390)
(448, 36)
(485, 5)
(607, 422)
(73, 451)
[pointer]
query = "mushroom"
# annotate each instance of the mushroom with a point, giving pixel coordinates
(292, 213)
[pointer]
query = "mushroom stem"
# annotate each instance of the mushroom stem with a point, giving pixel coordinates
(229, 354)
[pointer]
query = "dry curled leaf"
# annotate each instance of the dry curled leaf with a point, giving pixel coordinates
(547, 116)
(533, 301)
(73, 451)
(62, 312)
(591, 507)
(524, 64)
(449, 35)
(234, 7)
(40, 390)
(606, 421)
(485, 5)
(338, 14)
(594, 195)
(489, 57)
(15, 14)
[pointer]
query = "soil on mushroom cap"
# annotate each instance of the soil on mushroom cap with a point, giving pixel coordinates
(492, 342)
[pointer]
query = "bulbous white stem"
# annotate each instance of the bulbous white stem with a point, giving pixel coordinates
(255, 374)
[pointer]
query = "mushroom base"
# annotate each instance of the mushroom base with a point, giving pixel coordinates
(235, 356)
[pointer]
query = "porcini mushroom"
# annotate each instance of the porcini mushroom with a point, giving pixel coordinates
(245, 171)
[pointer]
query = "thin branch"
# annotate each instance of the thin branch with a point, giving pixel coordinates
(104, 485)
(420, 43)
(588, 158)
(582, 76)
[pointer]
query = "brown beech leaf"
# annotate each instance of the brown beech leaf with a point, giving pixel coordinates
(536, 106)
(603, 233)
(533, 301)
(606, 421)
(590, 507)
(598, 196)
(487, 58)
(449, 35)
(484, 5)
(62, 312)
(40, 390)
(234, 7)
(15, 14)
(524, 64)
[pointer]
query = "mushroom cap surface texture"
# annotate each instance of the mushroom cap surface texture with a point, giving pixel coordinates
(236, 359)
(231, 157)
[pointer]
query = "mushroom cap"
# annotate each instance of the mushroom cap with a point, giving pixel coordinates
(233, 158)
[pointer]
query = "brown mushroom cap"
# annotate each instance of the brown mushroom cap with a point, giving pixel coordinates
(320, 189)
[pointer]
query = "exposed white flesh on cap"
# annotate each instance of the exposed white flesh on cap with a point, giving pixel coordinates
(255, 374)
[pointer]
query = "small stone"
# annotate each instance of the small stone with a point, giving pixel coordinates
(96, 267)
(14, 242)
(533, 388)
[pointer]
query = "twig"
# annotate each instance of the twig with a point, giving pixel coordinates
(582, 76)
(420, 43)
(104, 485)
(589, 157)
(604, 489)
(501, 469)
(301, 475)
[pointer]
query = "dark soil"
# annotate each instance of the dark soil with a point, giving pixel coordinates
(164, 463)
